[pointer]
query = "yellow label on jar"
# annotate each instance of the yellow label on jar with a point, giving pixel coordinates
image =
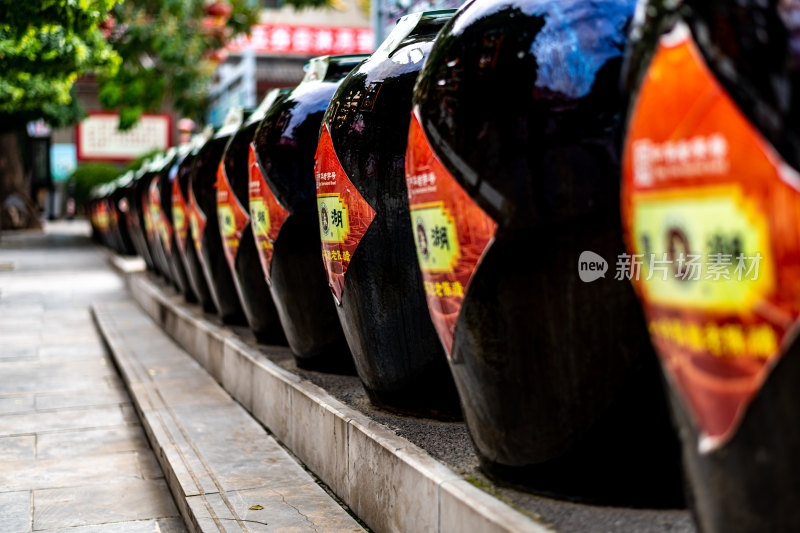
(435, 236)
(227, 221)
(259, 215)
(334, 224)
(702, 250)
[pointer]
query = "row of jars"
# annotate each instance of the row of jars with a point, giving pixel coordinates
(444, 216)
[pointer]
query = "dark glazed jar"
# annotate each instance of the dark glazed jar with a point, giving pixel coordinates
(154, 214)
(184, 241)
(367, 244)
(135, 192)
(283, 201)
(513, 178)
(167, 181)
(205, 227)
(120, 204)
(711, 187)
(237, 232)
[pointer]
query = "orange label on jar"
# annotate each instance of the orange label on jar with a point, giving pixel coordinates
(266, 213)
(180, 216)
(112, 214)
(233, 218)
(161, 225)
(712, 223)
(450, 231)
(101, 217)
(344, 215)
(197, 221)
(149, 226)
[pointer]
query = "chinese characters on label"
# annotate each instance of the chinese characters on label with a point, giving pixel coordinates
(711, 215)
(344, 215)
(450, 230)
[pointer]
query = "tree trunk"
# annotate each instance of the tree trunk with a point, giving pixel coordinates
(17, 210)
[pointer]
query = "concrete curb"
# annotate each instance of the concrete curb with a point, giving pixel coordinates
(388, 482)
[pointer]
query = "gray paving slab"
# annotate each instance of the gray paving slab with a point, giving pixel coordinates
(88, 442)
(73, 455)
(163, 525)
(67, 472)
(72, 352)
(77, 418)
(213, 452)
(15, 512)
(100, 504)
(93, 397)
(21, 448)
(16, 403)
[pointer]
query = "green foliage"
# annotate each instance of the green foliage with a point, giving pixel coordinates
(89, 175)
(44, 46)
(166, 46)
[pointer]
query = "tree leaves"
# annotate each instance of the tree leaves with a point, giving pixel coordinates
(166, 46)
(44, 47)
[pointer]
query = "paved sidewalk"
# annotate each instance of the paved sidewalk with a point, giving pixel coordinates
(73, 455)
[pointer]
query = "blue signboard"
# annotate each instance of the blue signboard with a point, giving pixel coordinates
(63, 161)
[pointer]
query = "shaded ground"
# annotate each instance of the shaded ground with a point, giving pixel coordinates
(72, 451)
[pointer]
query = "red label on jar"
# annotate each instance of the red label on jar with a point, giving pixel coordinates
(101, 217)
(712, 220)
(161, 225)
(112, 213)
(344, 215)
(147, 214)
(450, 231)
(197, 221)
(266, 213)
(233, 218)
(180, 216)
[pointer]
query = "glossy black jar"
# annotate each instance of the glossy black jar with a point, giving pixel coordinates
(733, 100)
(238, 242)
(184, 242)
(135, 192)
(283, 201)
(516, 132)
(154, 214)
(205, 226)
(167, 181)
(367, 243)
(117, 199)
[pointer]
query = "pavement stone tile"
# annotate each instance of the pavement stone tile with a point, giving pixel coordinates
(164, 525)
(25, 376)
(79, 418)
(71, 352)
(88, 442)
(22, 448)
(21, 340)
(309, 510)
(92, 397)
(67, 472)
(20, 309)
(102, 504)
(236, 449)
(12, 324)
(15, 512)
(194, 391)
(17, 403)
